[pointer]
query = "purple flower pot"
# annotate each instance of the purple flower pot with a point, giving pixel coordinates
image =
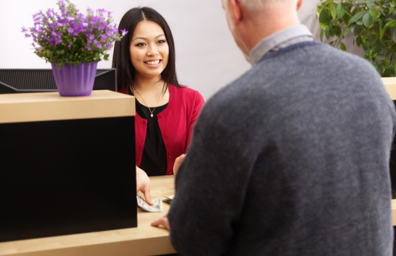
(72, 80)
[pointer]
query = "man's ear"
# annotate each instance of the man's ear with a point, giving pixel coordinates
(236, 10)
(299, 3)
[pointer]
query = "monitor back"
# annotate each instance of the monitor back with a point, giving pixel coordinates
(42, 80)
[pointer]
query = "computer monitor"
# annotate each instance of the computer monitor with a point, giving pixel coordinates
(42, 80)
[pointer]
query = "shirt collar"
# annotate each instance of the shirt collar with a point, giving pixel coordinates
(279, 40)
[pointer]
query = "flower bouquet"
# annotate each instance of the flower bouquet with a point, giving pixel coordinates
(70, 40)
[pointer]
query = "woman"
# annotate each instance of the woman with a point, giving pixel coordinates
(165, 111)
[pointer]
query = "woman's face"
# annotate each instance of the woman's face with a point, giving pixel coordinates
(149, 50)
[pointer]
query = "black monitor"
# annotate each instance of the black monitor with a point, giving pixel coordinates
(42, 80)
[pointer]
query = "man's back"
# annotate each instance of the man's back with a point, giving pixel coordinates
(290, 159)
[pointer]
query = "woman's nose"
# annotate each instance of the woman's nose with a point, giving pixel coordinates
(152, 50)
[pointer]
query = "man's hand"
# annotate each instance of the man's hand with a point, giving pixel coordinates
(143, 184)
(163, 221)
(178, 162)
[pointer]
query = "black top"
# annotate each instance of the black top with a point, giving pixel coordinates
(154, 160)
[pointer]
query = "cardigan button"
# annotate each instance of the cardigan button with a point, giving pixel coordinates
(165, 135)
(169, 157)
(159, 115)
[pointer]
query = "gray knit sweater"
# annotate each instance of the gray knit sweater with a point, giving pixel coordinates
(290, 159)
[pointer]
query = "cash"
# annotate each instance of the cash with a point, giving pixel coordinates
(156, 207)
(168, 199)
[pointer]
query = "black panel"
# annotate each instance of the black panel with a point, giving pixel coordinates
(64, 177)
(42, 80)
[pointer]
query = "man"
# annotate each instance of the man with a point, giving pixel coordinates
(292, 157)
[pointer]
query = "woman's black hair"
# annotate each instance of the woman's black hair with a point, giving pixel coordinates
(122, 63)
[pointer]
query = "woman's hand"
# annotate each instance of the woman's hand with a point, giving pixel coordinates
(143, 184)
(178, 162)
(163, 221)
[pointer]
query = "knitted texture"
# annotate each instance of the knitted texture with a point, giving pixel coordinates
(292, 158)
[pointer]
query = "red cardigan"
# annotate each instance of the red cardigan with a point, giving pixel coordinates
(176, 123)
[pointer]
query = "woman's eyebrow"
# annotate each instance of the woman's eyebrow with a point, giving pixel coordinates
(146, 38)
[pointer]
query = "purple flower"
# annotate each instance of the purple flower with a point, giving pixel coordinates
(70, 30)
(58, 40)
(33, 45)
(24, 29)
(103, 37)
(102, 26)
(99, 46)
(89, 48)
(124, 32)
(68, 46)
(109, 14)
(101, 11)
(27, 35)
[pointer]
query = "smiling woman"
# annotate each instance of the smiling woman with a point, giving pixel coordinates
(165, 111)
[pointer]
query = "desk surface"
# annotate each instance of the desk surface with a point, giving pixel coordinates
(143, 240)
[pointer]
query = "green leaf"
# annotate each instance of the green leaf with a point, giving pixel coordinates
(389, 72)
(327, 32)
(392, 4)
(368, 20)
(377, 47)
(318, 10)
(356, 17)
(346, 18)
(337, 30)
(394, 65)
(347, 31)
(391, 10)
(324, 16)
(381, 23)
(333, 10)
(340, 11)
(359, 41)
(376, 11)
(342, 46)
(375, 34)
(369, 3)
(321, 34)
(393, 35)
(60, 52)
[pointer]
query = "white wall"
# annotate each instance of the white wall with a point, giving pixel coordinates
(207, 56)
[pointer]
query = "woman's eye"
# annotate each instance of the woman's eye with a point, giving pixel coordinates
(139, 44)
(161, 41)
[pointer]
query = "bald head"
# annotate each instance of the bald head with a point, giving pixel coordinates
(256, 7)
(252, 20)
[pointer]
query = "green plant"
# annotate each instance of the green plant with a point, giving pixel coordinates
(373, 24)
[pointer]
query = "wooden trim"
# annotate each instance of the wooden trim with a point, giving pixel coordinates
(49, 106)
(390, 85)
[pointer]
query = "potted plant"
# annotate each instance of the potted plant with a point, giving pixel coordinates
(372, 23)
(73, 43)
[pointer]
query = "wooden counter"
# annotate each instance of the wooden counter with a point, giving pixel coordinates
(143, 240)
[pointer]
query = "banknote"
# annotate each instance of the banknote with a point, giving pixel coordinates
(168, 199)
(156, 207)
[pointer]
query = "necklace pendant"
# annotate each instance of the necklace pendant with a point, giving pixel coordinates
(151, 115)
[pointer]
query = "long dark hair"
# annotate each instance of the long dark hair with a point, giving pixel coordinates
(122, 63)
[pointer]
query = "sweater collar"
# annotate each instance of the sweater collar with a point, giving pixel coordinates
(279, 40)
